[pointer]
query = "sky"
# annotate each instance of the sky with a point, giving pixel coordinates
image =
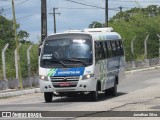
(72, 15)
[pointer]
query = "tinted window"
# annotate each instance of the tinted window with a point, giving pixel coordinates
(102, 52)
(64, 50)
(97, 51)
(109, 49)
(114, 49)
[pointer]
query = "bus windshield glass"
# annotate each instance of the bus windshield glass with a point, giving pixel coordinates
(66, 53)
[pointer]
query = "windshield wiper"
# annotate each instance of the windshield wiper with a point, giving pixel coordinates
(75, 60)
(58, 61)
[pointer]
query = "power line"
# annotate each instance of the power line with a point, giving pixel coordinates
(18, 4)
(95, 4)
(81, 8)
(28, 15)
(84, 4)
(115, 9)
(92, 8)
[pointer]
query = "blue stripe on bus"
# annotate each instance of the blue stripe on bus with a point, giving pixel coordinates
(68, 72)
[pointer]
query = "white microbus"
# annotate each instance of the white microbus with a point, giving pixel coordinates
(81, 62)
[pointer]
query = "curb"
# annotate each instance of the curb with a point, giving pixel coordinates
(18, 93)
(143, 69)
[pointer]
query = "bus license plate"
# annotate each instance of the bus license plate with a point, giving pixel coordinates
(64, 84)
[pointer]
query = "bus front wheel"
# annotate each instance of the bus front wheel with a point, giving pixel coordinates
(48, 96)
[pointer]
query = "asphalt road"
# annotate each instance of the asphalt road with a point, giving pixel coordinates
(139, 92)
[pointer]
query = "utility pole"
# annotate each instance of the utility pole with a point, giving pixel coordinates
(43, 20)
(159, 47)
(132, 47)
(132, 52)
(106, 13)
(17, 43)
(145, 47)
(120, 8)
(145, 51)
(54, 18)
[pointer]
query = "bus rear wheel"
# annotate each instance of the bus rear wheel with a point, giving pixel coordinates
(94, 95)
(112, 91)
(48, 96)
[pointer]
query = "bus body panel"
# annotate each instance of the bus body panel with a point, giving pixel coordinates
(106, 70)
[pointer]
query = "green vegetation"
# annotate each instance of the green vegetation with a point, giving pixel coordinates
(138, 22)
(7, 36)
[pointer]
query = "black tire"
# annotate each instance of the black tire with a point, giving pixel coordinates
(107, 92)
(94, 95)
(48, 96)
(113, 90)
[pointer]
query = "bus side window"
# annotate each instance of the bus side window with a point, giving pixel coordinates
(105, 50)
(109, 49)
(99, 51)
(114, 49)
(102, 52)
(97, 55)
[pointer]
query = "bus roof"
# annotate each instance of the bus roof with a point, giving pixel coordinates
(97, 34)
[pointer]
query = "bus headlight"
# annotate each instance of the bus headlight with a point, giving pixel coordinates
(87, 76)
(43, 77)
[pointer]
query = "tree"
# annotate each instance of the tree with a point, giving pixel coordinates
(95, 24)
(150, 11)
(7, 36)
(138, 22)
(7, 32)
(22, 36)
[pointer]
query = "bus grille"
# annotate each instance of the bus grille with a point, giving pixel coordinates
(59, 82)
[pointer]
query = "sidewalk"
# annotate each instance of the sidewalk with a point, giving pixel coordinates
(142, 69)
(14, 92)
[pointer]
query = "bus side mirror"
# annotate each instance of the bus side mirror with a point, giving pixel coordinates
(39, 49)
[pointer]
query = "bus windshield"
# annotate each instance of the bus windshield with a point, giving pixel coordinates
(66, 52)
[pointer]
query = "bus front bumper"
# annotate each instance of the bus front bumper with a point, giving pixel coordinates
(82, 86)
